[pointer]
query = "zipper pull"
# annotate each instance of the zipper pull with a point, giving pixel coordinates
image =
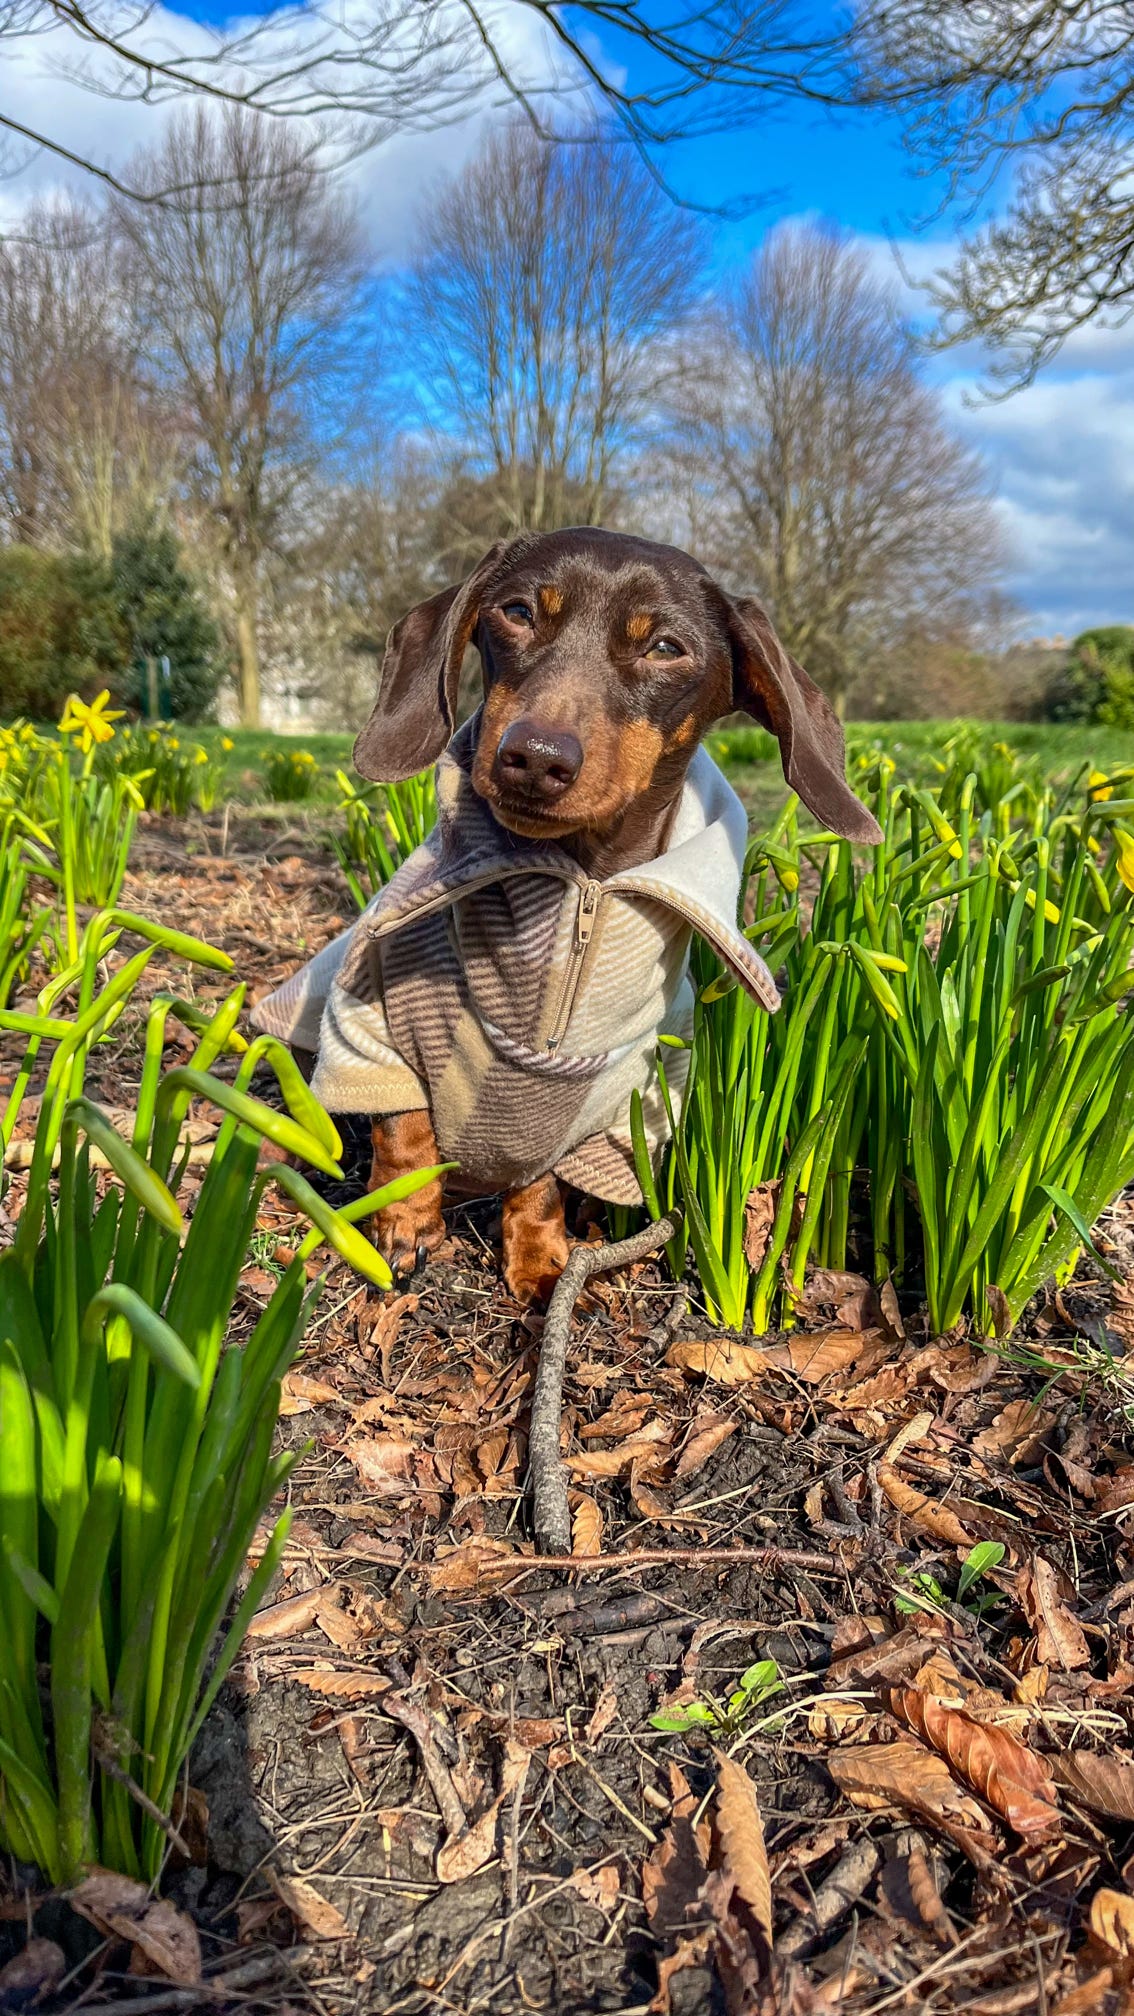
(587, 912)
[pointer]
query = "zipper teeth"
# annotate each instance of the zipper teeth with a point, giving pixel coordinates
(585, 916)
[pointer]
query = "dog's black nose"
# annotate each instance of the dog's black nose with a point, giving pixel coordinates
(537, 761)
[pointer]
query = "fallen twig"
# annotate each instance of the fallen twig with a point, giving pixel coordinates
(229, 1982)
(421, 1728)
(550, 1515)
(836, 1895)
(503, 1572)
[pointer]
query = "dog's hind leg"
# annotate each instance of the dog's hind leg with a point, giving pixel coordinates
(406, 1233)
(535, 1239)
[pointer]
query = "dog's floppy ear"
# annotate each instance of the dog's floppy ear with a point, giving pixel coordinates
(769, 685)
(415, 712)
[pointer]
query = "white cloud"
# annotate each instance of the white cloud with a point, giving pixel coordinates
(43, 93)
(1060, 454)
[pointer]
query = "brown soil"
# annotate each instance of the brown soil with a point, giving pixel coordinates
(432, 1636)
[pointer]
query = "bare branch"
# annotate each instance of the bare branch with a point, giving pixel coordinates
(820, 467)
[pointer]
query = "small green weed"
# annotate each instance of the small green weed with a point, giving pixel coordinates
(757, 1684)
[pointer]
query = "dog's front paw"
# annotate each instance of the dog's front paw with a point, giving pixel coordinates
(535, 1241)
(407, 1233)
(531, 1281)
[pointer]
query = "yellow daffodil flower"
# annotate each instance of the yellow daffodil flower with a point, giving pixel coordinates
(90, 721)
(1124, 855)
(1098, 786)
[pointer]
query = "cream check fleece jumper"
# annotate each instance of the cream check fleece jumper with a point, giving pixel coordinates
(493, 983)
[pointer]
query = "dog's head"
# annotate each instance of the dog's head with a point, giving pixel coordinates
(605, 660)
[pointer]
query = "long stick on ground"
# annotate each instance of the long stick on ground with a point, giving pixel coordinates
(550, 1516)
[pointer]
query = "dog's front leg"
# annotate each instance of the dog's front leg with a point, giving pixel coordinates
(535, 1239)
(406, 1233)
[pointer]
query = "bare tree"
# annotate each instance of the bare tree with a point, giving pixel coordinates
(821, 467)
(543, 305)
(247, 280)
(362, 551)
(365, 72)
(1036, 99)
(82, 452)
(1045, 92)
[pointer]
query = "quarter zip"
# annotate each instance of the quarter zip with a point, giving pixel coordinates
(585, 916)
(454, 892)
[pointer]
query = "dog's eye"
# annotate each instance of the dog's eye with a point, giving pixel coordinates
(666, 647)
(518, 612)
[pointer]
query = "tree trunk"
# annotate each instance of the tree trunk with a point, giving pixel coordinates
(248, 645)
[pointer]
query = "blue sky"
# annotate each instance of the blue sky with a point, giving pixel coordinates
(1060, 454)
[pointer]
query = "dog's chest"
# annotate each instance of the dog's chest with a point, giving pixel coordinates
(551, 968)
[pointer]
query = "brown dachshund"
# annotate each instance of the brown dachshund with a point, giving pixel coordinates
(605, 659)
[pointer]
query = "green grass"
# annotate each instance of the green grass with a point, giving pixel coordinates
(915, 744)
(244, 770)
(746, 754)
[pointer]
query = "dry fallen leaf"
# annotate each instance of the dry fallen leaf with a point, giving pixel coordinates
(814, 1357)
(121, 1908)
(941, 1676)
(1000, 1309)
(691, 1952)
(707, 1437)
(586, 1524)
(650, 1505)
(340, 1627)
(190, 1816)
(462, 1855)
(891, 1313)
(299, 1393)
(317, 1918)
(672, 1875)
(852, 1297)
(1013, 1779)
(879, 1775)
(597, 1886)
(295, 1613)
(31, 1974)
(742, 1834)
(647, 1450)
(1112, 1924)
(624, 1418)
(834, 1718)
(474, 1564)
(1043, 1597)
(1103, 1783)
(1017, 1434)
(603, 1712)
(355, 1686)
(759, 1217)
(723, 1359)
(533, 1731)
(384, 1462)
(926, 1896)
(1116, 1492)
(257, 1281)
(490, 1453)
(383, 1329)
(875, 1658)
(913, 1504)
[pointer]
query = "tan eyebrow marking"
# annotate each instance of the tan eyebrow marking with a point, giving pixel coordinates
(551, 600)
(639, 627)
